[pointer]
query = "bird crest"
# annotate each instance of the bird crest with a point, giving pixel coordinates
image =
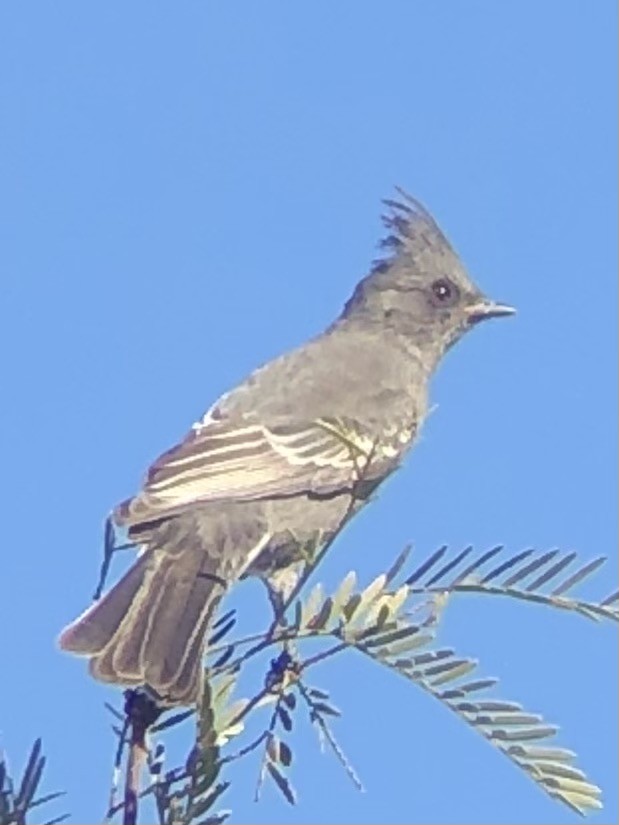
(412, 231)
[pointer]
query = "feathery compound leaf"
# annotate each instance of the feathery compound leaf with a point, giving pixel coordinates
(548, 567)
(505, 725)
(14, 806)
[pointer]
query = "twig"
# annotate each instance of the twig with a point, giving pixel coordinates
(325, 654)
(267, 735)
(109, 548)
(141, 713)
(122, 738)
(316, 716)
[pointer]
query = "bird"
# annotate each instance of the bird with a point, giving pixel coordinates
(278, 464)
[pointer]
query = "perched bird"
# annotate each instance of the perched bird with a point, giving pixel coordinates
(277, 464)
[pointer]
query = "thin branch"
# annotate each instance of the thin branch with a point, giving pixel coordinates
(325, 654)
(588, 609)
(112, 807)
(109, 548)
(141, 712)
(317, 717)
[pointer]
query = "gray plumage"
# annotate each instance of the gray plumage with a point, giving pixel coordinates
(272, 467)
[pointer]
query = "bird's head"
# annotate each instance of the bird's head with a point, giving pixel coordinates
(419, 289)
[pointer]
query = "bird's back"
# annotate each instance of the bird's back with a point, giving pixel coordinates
(360, 374)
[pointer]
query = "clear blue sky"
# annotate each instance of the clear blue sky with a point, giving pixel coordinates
(188, 189)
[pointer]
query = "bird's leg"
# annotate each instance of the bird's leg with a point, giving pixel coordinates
(281, 585)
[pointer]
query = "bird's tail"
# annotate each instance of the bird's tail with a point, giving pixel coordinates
(150, 628)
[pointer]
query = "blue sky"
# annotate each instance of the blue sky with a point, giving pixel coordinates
(189, 189)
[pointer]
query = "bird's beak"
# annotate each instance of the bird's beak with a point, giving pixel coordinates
(484, 309)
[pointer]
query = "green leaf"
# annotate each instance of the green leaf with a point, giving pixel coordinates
(312, 605)
(324, 708)
(344, 591)
(427, 565)
(350, 608)
(391, 636)
(176, 719)
(202, 805)
(290, 700)
(31, 777)
(398, 564)
(317, 693)
(282, 783)
(449, 671)
(221, 632)
(323, 615)
(413, 642)
(285, 754)
(285, 718)
(372, 591)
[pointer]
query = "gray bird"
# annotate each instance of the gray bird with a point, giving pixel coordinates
(277, 464)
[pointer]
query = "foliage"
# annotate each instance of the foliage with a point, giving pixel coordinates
(15, 803)
(393, 621)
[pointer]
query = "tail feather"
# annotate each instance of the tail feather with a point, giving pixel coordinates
(93, 630)
(178, 625)
(150, 628)
(188, 681)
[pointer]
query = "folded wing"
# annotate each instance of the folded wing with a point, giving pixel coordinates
(234, 461)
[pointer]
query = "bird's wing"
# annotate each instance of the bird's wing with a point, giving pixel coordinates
(227, 460)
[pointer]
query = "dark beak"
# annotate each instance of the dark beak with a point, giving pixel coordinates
(484, 309)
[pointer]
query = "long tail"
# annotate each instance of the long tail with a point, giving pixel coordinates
(150, 628)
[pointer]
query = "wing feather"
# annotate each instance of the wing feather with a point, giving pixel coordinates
(232, 461)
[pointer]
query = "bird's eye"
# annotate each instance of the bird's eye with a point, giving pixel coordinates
(444, 292)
